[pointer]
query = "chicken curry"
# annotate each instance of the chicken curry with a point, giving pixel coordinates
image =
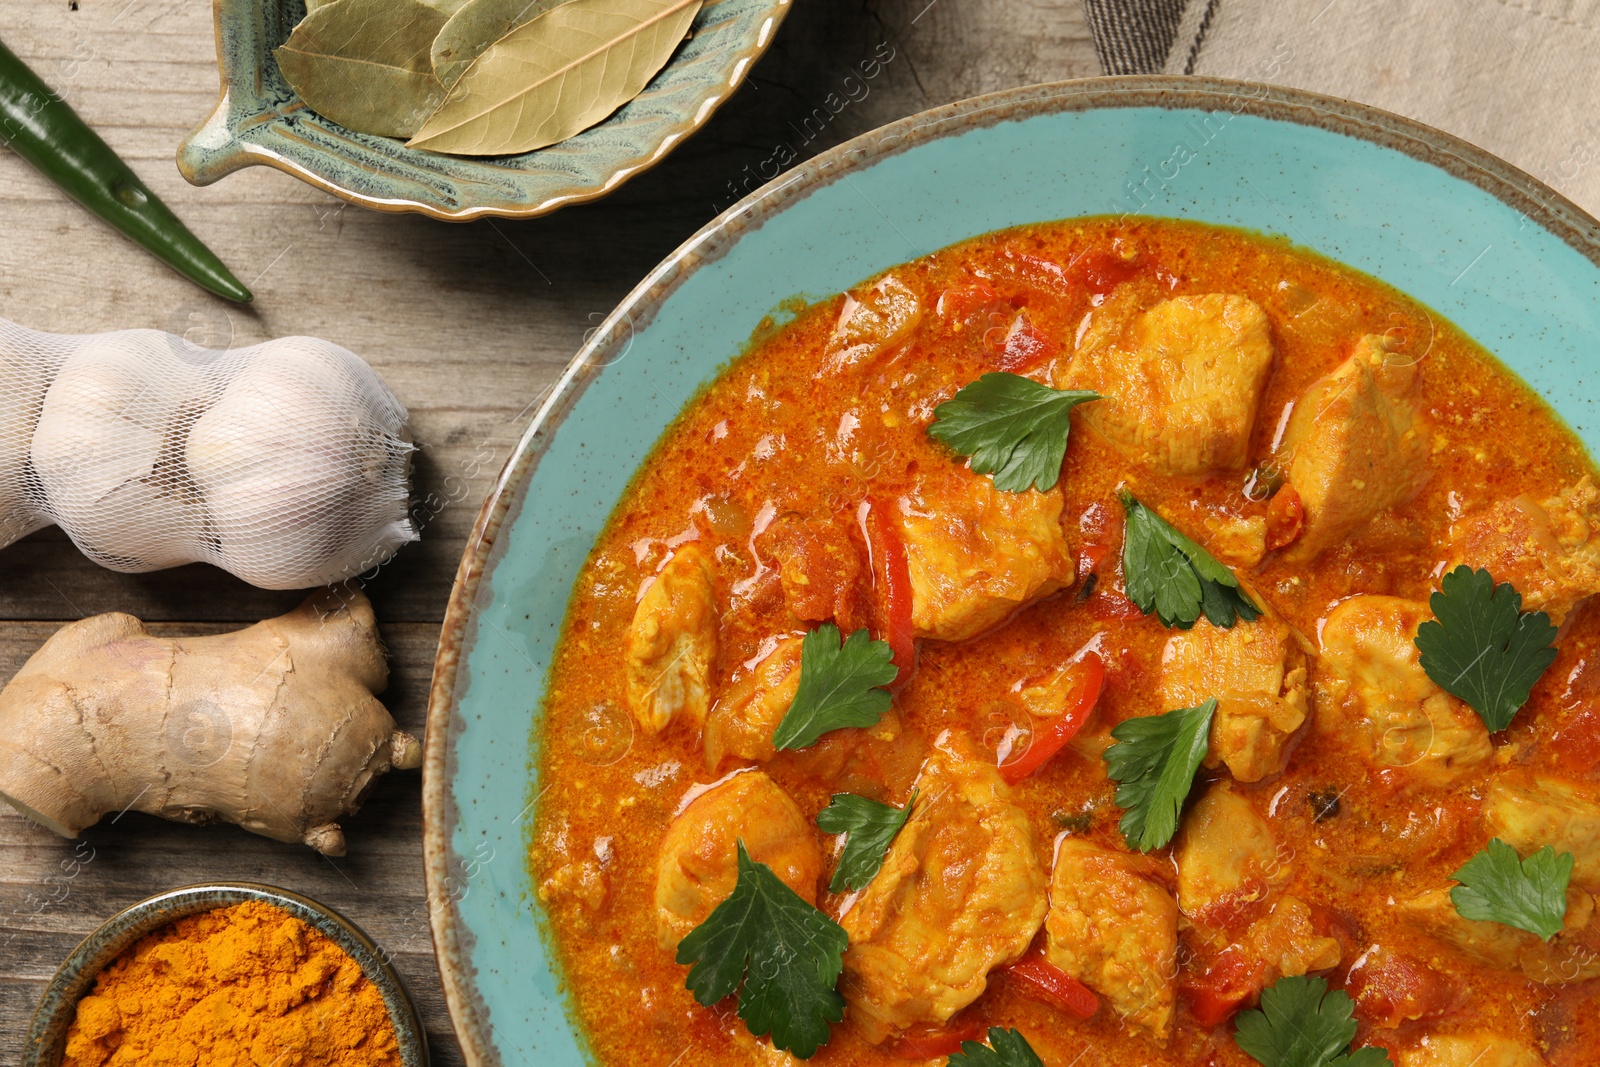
(1099, 642)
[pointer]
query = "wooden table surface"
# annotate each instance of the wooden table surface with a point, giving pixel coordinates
(469, 324)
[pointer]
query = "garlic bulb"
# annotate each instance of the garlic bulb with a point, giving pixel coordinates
(285, 463)
(103, 452)
(287, 480)
(25, 372)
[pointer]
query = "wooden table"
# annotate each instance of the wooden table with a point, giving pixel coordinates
(468, 324)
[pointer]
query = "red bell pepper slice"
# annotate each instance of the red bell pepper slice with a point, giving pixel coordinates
(1212, 1006)
(1229, 984)
(892, 574)
(1080, 704)
(1042, 980)
(931, 1044)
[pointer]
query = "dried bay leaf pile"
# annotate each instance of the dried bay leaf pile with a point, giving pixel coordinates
(479, 77)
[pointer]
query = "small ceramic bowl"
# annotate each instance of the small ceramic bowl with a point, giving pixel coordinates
(47, 1039)
(260, 120)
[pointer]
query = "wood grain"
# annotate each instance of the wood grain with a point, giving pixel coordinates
(469, 324)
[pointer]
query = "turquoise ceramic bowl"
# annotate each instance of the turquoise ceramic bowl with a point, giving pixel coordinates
(1502, 256)
(260, 120)
(47, 1038)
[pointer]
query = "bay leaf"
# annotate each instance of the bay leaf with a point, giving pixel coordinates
(556, 76)
(475, 27)
(366, 64)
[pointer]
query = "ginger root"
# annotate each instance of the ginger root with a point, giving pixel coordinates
(274, 727)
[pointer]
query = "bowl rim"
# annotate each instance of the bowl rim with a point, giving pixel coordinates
(245, 154)
(58, 1004)
(1521, 191)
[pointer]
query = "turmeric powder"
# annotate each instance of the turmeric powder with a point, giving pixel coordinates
(244, 986)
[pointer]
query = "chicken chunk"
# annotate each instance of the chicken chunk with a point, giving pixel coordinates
(961, 892)
(697, 866)
(1180, 382)
(1354, 446)
(1492, 943)
(1531, 811)
(976, 555)
(673, 642)
(1115, 931)
(1239, 541)
(1373, 675)
(1573, 955)
(1479, 1048)
(1549, 550)
(1229, 869)
(820, 570)
(1287, 944)
(1257, 672)
(1227, 858)
(748, 712)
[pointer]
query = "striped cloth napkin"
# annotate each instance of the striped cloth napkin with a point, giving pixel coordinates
(1520, 78)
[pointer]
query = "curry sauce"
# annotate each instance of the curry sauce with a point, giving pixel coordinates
(765, 492)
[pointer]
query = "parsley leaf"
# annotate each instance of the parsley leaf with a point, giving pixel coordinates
(872, 828)
(1301, 1024)
(1006, 1048)
(1166, 573)
(1499, 886)
(781, 954)
(1481, 647)
(1154, 760)
(839, 686)
(1011, 427)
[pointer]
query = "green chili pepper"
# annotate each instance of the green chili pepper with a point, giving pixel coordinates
(39, 126)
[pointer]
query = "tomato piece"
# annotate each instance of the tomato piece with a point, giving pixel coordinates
(1232, 982)
(1577, 742)
(1081, 699)
(928, 1044)
(1091, 558)
(891, 574)
(1286, 515)
(959, 303)
(1390, 988)
(1042, 980)
(819, 569)
(1102, 533)
(1101, 270)
(1233, 912)
(1016, 344)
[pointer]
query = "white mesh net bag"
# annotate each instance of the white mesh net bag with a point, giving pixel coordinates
(285, 463)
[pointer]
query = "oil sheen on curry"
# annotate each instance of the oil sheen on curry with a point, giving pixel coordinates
(1107, 642)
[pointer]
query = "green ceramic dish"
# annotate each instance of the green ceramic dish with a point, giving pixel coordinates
(47, 1038)
(260, 120)
(1505, 258)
